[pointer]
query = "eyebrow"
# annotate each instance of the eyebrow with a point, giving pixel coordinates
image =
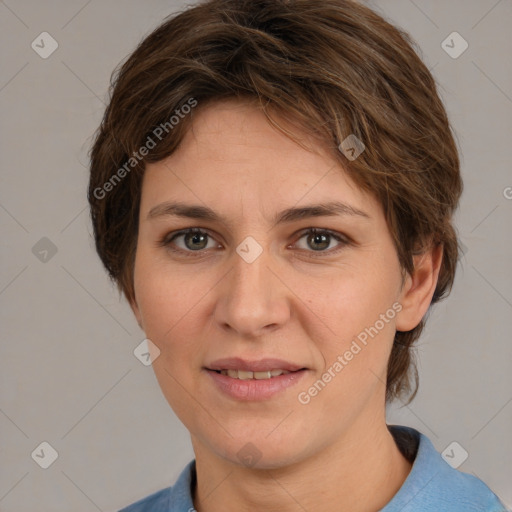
(332, 208)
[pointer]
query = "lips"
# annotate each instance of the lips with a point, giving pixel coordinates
(245, 375)
(245, 380)
(260, 365)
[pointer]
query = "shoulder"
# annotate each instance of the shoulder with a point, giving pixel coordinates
(433, 485)
(171, 499)
(156, 502)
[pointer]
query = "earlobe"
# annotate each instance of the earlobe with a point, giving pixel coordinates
(419, 287)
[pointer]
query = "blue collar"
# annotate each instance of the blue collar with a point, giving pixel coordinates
(431, 486)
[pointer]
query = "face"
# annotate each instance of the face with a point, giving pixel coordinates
(266, 280)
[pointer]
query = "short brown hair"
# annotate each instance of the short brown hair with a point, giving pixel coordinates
(335, 68)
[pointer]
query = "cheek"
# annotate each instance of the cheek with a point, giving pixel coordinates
(169, 303)
(348, 301)
(166, 298)
(352, 318)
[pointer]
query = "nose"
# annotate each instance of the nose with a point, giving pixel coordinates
(252, 300)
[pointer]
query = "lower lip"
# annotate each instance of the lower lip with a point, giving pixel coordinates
(255, 389)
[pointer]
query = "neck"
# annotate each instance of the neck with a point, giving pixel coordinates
(361, 472)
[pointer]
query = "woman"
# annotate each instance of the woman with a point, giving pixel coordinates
(272, 189)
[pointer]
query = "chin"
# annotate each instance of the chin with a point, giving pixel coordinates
(260, 452)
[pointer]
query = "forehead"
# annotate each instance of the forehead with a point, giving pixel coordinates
(243, 124)
(232, 154)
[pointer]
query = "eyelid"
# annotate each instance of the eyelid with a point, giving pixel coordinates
(168, 238)
(342, 239)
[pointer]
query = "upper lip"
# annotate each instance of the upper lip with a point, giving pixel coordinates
(260, 365)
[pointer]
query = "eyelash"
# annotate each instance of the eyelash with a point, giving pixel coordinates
(167, 240)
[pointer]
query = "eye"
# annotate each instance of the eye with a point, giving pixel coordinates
(321, 240)
(194, 241)
(189, 241)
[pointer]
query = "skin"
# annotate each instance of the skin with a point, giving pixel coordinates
(293, 302)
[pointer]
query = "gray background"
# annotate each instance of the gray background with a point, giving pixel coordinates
(68, 373)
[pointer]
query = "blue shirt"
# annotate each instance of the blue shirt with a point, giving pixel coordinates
(431, 486)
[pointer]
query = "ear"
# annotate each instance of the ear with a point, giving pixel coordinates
(419, 287)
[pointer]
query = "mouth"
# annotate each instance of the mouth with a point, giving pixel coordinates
(246, 375)
(254, 380)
